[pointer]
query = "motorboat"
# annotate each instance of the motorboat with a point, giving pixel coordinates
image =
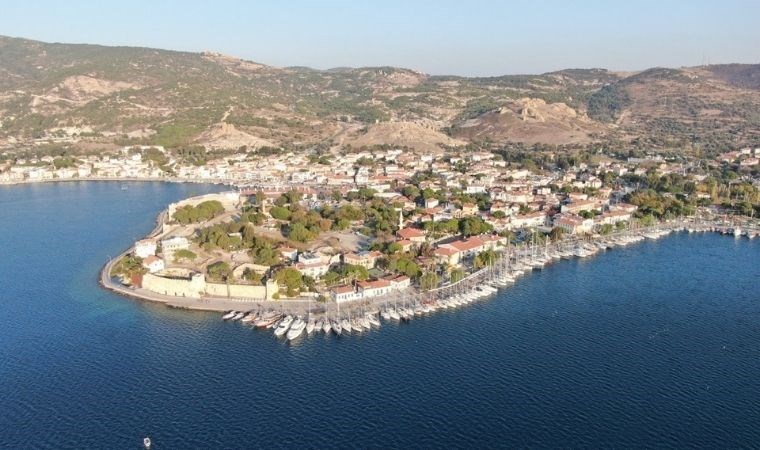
(229, 315)
(283, 326)
(296, 329)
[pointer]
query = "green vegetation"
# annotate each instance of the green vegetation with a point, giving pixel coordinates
(219, 271)
(201, 213)
(184, 255)
(607, 103)
(128, 266)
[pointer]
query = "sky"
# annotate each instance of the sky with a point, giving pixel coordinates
(470, 38)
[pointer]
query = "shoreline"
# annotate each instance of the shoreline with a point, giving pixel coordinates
(508, 258)
(120, 179)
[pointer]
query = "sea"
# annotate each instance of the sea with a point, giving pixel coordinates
(653, 345)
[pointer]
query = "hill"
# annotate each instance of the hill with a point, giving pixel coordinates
(87, 95)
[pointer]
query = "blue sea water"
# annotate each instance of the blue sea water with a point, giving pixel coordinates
(654, 345)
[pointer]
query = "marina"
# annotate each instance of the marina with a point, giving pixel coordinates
(513, 262)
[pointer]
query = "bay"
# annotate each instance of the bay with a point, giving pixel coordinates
(657, 344)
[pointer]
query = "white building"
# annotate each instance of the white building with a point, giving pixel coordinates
(145, 248)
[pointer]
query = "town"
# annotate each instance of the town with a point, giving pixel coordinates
(326, 231)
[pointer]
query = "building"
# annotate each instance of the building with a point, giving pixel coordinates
(171, 245)
(145, 248)
(153, 264)
(364, 259)
(573, 223)
(343, 294)
(411, 234)
(374, 288)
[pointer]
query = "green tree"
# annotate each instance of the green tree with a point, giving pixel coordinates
(428, 281)
(291, 279)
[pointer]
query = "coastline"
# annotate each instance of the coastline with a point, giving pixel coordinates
(513, 255)
(122, 179)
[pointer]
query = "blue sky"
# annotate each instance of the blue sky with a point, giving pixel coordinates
(477, 37)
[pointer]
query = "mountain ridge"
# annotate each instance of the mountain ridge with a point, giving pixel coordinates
(172, 98)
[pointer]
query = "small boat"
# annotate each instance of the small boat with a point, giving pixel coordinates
(229, 315)
(267, 320)
(310, 326)
(346, 325)
(336, 327)
(386, 315)
(373, 320)
(296, 329)
(326, 327)
(238, 316)
(283, 326)
(146, 443)
(364, 321)
(357, 325)
(394, 314)
(251, 317)
(319, 325)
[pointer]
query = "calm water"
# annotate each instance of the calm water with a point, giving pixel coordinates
(654, 345)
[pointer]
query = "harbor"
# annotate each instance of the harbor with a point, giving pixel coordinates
(290, 321)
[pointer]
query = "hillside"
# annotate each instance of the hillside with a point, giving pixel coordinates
(89, 95)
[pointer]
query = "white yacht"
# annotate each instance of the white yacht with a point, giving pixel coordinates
(394, 314)
(311, 325)
(296, 329)
(336, 327)
(283, 326)
(229, 315)
(346, 325)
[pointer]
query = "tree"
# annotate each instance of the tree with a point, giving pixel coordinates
(499, 214)
(557, 234)
(299, 233)
(428, 281)
(291, 279)
(457, 275)
(219, 271)
(280, 213)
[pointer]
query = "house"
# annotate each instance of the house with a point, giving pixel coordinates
(364, 259)
(315, 269)
(343, 294)
(446, 255)
(171, 245)
(406, 245)
(374, 288)
(400, 282)
(288, 252)
(153, 264)
(145, 248)
(530, 220)
(411, 234)
(612, 217)
(573, 223)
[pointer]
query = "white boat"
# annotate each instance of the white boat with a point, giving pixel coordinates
(238, 316)
(267, 320)
(386, 314)
(296, 329)
(346, 325)
(146, 440)
(373, 320)
(326, 327)
(311, 325)
(357, 325)
(365, 322)
(394, 314)
(336, 327)
(251, 317)
(283, 326)
(229, 315)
